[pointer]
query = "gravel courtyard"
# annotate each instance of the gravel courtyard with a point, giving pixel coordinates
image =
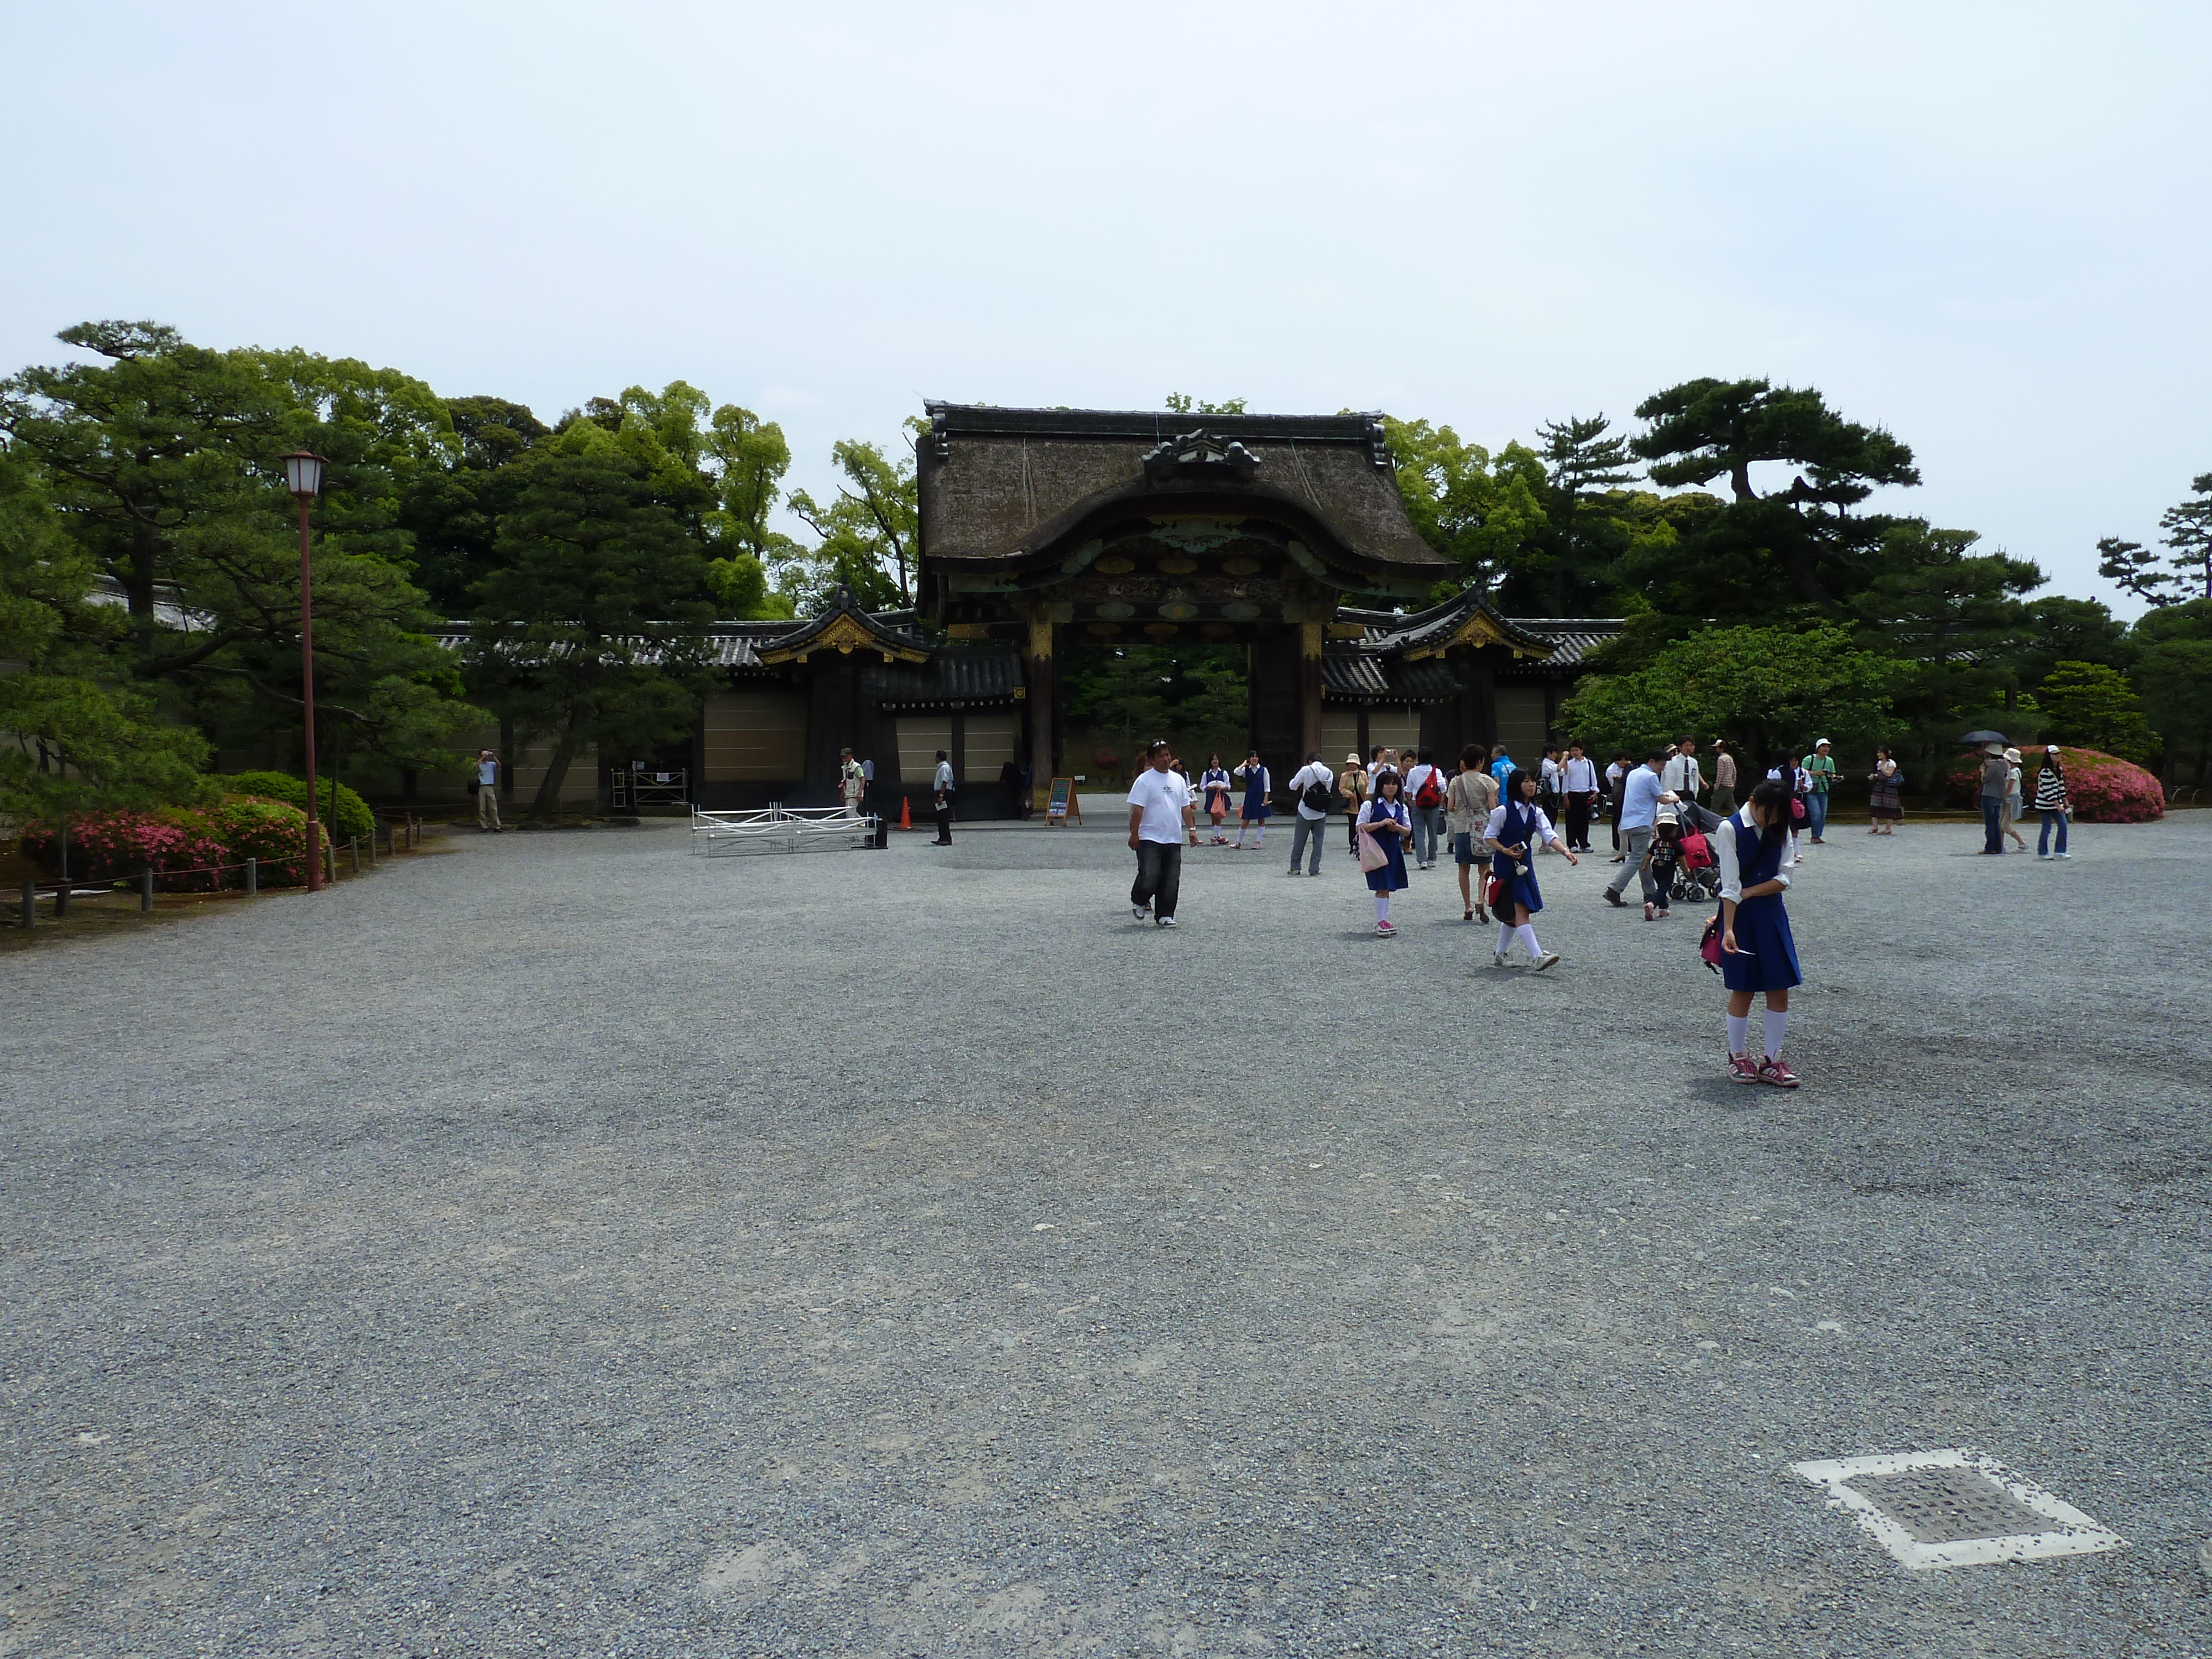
(565, 1244)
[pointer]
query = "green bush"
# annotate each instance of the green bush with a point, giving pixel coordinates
(258, 827)
(352, 821)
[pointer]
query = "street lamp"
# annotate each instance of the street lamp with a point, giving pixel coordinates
(303, 477)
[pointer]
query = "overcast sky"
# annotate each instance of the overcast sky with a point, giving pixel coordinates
(1982, 227)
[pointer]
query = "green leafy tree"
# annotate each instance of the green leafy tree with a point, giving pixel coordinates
(1568, 565)
(1483, 511)
(870, 533)
(591, 630)
(2188, 526)
(1179, 403)
(2134, 568)
(1764, 688)
(162, 463)
(451, 512)
(1798, 552)
(71, 738)
(2093, 706)
(2173, 649)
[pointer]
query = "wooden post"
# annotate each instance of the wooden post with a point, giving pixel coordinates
(1038, 669)
(252, 877)
(145, 890)
(1310, 635)
(30, 915)
(353, 849)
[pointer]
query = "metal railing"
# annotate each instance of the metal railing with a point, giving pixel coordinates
(779, 828)
(203, 878)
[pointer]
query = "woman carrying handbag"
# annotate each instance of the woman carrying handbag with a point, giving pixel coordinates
(1384, 825)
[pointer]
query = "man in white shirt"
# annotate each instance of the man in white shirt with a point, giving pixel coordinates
(1578, 780)
(1159, 813)
(1426, 799)
(1682, 776)
(940, 795)
(1315, 773)
(488, 794)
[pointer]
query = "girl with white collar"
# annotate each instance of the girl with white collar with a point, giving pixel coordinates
(1758, 954)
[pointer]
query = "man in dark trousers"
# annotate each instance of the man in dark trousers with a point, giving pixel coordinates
(1159, 813)
(940, 795)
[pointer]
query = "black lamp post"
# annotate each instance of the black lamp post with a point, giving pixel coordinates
(303, 477)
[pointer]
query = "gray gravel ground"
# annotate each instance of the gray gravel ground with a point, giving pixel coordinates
(568, 1245)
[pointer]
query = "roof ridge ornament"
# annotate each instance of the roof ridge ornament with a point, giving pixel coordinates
(1200, 454)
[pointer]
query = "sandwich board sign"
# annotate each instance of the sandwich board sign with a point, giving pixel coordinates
(1063, 805)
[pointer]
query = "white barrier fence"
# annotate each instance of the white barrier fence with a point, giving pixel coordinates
(779, 828)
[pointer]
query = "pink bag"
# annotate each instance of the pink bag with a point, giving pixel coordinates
(1709, 947)
(1371, 855)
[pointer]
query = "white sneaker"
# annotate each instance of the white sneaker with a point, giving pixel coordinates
(1166, 921)
(1140, 912)
(2043, 858)
(1498, 958)
(1546, 960)
(2061, 855)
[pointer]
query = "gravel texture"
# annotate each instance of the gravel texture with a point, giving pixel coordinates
(568, 1245)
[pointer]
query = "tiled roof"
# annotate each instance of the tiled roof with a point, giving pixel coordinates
(1352, 675)
(954, 677)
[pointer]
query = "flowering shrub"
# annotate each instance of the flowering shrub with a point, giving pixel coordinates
(116, 845)
(266, 829)
(2104, 788)
(189, 851)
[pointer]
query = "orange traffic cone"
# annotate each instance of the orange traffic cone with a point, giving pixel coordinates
(906, 812)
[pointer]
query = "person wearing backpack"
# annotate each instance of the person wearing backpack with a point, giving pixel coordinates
(1314, 785)
(1425, 789)
(1467, 804)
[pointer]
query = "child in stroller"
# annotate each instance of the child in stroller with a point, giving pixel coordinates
(1697, 877)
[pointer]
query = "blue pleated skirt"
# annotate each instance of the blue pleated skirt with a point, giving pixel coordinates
(1767, 954)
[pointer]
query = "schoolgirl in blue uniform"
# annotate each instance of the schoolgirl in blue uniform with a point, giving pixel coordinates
(1517, 826)
(1385, 822)
(1755, 854)
(1256, 811)
(1215, 782)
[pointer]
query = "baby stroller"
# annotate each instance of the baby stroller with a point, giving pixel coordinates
(1697, 871)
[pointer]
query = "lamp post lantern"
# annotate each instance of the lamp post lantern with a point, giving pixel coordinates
(303, 477)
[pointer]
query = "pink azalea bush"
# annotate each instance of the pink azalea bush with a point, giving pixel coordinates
(2104, 788)
(177, 845)
(189, 851)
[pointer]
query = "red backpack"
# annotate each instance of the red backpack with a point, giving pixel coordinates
(1430, 793)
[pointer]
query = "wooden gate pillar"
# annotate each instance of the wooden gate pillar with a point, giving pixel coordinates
(1310, 635)
(1040, 673)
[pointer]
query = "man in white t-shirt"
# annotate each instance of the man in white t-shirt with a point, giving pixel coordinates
(1159, 813)
(1310, 818)
(1424, 792)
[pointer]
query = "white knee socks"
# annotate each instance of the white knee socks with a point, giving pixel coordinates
(1505, 934)
(1739, 1031)
(1527, 935)
(1259, 835)
(1775, 1021)
(1382, 907)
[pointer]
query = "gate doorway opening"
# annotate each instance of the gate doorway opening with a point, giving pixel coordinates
(1115, 698)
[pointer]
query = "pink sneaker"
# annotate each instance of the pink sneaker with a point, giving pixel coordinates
(1648, 907)
(1742, 1068)
(1388, 930)
(1773, 1071)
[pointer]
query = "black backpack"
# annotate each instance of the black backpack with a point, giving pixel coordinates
(1316, 799)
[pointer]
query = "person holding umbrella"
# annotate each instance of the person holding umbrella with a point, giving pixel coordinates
(1997, 781)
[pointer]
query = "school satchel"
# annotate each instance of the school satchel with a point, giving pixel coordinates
(1709, 946)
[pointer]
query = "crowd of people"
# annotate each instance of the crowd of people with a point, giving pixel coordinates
(1687, 821)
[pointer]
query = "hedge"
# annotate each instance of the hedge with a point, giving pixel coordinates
(352, 821)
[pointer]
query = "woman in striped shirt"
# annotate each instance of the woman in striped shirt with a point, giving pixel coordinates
(2051, 803)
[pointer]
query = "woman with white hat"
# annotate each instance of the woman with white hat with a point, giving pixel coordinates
(2010, 816)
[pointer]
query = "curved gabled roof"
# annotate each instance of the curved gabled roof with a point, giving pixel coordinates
(1006, 488)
